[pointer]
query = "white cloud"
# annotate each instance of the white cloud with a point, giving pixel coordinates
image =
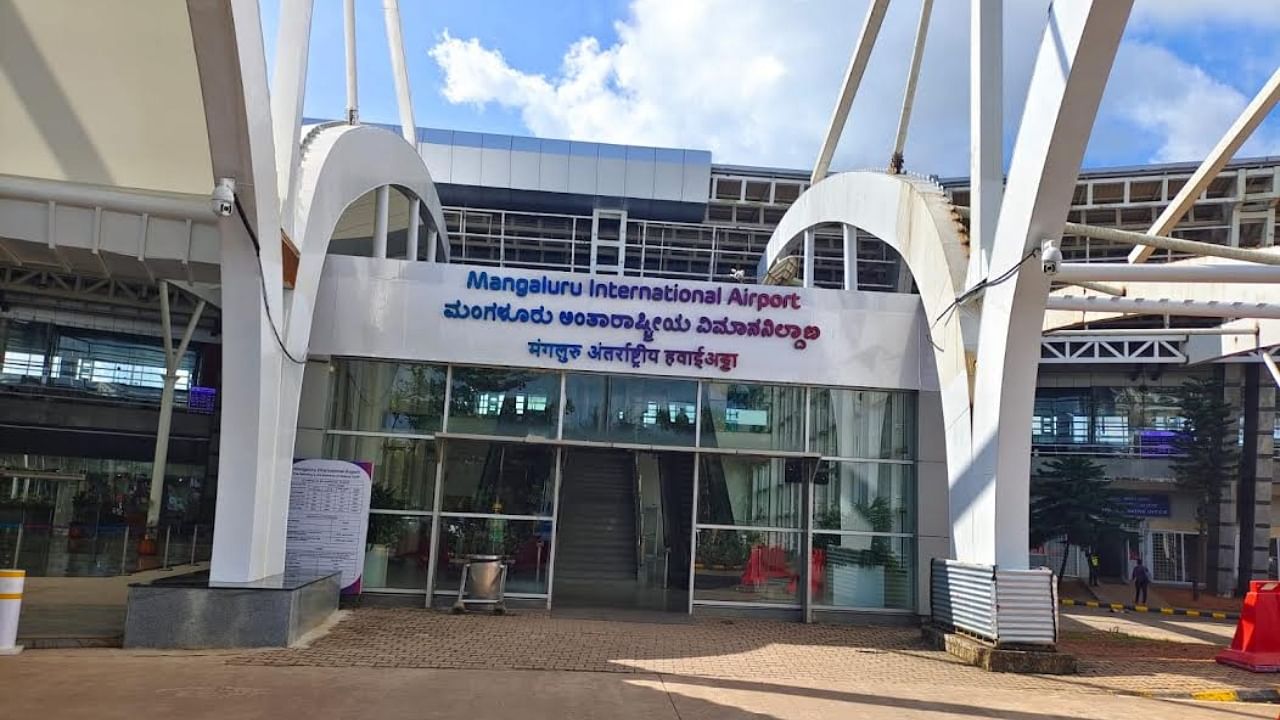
(1181, 13)
(755, 82)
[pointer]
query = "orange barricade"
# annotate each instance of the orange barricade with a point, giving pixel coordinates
(1256, 645)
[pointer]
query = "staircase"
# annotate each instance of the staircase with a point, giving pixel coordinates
(597, 532)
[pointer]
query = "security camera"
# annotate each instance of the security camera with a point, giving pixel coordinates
(1050, 258)
(224, 197)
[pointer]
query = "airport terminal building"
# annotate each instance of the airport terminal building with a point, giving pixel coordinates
(597, 378)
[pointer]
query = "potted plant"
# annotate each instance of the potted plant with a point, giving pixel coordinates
(384, 532)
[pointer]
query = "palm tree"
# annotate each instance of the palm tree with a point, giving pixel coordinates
(1072, 498)
(1209, 458)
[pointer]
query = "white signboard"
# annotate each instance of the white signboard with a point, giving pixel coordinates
(619, 324)
(328, 518)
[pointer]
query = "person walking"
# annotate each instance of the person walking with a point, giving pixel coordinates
(1094, 563)
(1141, 579)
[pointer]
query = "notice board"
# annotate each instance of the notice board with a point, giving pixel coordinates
(328, 519)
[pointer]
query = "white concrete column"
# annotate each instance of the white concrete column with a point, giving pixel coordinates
(850, 257)
(986, 151)
(253, 482)
(808, 258)
(382, 202)
(990, 501)
(415, 226)
(432, 241)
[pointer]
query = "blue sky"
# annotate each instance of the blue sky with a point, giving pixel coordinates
(754, 80)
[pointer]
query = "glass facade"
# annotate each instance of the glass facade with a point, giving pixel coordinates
(485, 401)
(377, 396)
(1106, 420)
(753, 417)
(623, 409)
(86, 362)
(468, 460)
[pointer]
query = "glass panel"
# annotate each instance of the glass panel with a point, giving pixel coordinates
(500, 478)
(388, 396)
(873, 424)
(1061, 418)
(526, 545)
(647, 411)
(397, 552)
(749, 490)
(404, 471)
(871, 497)
(504, 402)
(752, 417)
(747, 566)
(864, 571)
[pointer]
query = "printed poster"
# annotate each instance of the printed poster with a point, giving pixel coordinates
(328, 519)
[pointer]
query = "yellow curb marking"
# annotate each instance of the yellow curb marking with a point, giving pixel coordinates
(1216, 695)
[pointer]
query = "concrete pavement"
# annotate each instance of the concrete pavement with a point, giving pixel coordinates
(123, 685)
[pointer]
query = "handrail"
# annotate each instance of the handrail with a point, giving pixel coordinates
(639, 510)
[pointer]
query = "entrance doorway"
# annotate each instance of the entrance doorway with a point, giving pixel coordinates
(623, 533)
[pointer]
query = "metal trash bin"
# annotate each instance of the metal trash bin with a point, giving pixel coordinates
(484, 577)
(483, 582)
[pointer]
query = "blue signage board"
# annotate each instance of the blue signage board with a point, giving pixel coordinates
(1150, 505)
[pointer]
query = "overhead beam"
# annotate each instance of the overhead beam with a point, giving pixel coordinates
(896, 159)
(1252, 116)
(1170, 243)
(1245, 336)
(1077, 273)
(986, 129)
(175, 206)
(849, 88)
(1155, 332)
(1270, 363)
(395, 42)
(1144, 306)
(288, 90)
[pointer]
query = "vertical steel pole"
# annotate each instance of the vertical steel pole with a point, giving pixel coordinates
(555, 526)
(693, 527)
(349, 15)
(195, 531)
(382, 205)
(124, 552)
(168, 530)
(436, 520)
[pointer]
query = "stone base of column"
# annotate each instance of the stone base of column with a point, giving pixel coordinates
(191, 612)
(998, 659)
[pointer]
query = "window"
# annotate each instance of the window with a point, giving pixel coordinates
(752, 417)
(488, 401)
(372, 395)
(870, 424)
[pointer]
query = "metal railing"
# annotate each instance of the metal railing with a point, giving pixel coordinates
(45, 549)
(1007, 607)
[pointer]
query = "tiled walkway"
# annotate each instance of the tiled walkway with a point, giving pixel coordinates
(737, 649)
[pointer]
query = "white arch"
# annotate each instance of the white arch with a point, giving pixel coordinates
(913, 217)
(340, 164)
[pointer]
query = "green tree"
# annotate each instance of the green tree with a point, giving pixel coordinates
(1208, 457)
(1072, 498)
